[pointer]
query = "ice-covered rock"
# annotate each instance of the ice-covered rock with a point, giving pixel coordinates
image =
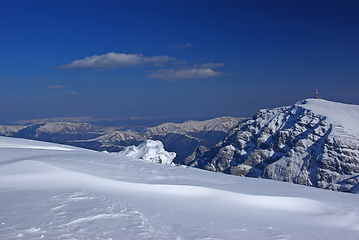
(150, 150)
(313, 142)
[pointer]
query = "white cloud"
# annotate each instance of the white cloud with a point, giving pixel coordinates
(116, 60)
(69, 94)
(209, 65)
(55, 87)
(182, 46)
(196, 71)
(102, 77)
(160, 60)
(193, 73)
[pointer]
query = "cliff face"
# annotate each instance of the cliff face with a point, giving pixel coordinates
(313, 142)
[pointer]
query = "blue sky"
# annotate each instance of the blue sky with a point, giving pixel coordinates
(201, 59)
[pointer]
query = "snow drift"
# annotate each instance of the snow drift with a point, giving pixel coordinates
(149, 150)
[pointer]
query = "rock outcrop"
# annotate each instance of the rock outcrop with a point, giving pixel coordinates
(313, 142)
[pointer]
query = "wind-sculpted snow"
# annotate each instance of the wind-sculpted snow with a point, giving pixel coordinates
(314, 142)
(149, 150)
(49, 192)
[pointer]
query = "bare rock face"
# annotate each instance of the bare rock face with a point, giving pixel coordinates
(313, 142)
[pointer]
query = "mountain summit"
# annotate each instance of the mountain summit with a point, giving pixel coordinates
(314, 142)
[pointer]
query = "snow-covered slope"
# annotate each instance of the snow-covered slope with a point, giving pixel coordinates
(149, 150)
(221, 124)
(313, 142)
(9, 130)
(50, 191)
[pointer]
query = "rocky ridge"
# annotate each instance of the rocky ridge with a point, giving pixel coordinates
(313, 142)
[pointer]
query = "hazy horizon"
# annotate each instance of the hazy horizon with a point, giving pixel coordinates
(130, 121)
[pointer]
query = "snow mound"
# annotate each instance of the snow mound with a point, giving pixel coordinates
(152, 150)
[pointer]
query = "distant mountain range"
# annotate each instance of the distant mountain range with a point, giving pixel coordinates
(129, 121)
(313, 142)
(182, 138)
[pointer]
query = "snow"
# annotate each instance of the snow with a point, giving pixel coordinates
(314, 142)
(346, 115)
(152, 150)
(14, 143)
(51, 191)
(223, 124)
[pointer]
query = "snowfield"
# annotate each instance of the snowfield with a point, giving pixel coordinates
(50, 191)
